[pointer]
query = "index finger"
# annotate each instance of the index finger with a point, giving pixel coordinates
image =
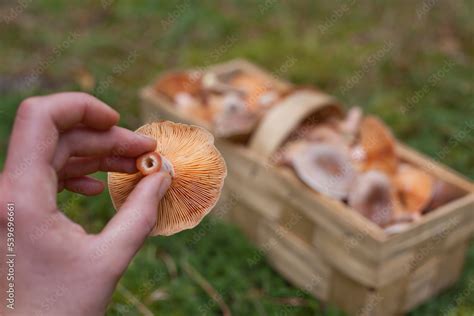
(39, 121)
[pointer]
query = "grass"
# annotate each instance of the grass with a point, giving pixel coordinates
(412, 68)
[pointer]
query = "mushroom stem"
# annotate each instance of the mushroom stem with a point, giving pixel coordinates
(153, 162)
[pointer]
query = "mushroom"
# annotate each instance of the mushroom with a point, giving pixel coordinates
(258, 90)
(324, 167)
(443, 192)
(371, 196)
(234, 125)
(173, 83)
(197, 169)
(284, 155)
(229, 115)
(415, 188)
(379, 145)
(358, 156)
(335, 130)
(191, 107)
(185, 100)
(324, 133)
(212, 83)
(268, 98)
(349, 127)
(227, 104)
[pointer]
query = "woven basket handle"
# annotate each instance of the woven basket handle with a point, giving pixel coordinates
(284, 117)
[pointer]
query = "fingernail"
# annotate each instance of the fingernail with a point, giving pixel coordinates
(150, 141)
(165, 183)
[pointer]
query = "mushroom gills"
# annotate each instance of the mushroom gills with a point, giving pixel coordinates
(325, 168)
(372, 197)
(198, 170)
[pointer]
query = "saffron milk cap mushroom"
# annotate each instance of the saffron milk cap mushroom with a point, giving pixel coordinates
(285, 154)
(371, 196)
(196, 167)
(415, 188)
(351, 123)
(443, 192)
(326, 168)
(177, 82)
(349, 127)
(256, 89)
(379, 145)
(229, 115)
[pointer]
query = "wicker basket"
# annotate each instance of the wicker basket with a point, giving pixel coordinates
(319, 244)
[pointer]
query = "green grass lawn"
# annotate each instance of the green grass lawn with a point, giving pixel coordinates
(410, 62)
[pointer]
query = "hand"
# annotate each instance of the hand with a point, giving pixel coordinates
(59, 269)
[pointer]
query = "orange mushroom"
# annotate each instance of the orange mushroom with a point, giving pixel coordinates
(371, 195)
(197, 169)
(176, 82)
(213, 83)
(258, 90)
(325, 168)
(229, 115)
(379, 145)
(349, 127)
(192, 107)
(284, 155)
(226, 104)
(443, 192)
(415, 188)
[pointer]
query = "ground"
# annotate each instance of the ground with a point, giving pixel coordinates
(410, 62)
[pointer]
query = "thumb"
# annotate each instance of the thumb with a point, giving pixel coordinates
(127, 230)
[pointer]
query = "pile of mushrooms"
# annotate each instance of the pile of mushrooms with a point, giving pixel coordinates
(196, 167)
(354, 160)
(230, 104)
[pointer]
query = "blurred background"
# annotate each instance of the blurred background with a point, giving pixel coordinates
(410, 62)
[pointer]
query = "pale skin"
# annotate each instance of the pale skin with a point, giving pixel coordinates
(60, 269)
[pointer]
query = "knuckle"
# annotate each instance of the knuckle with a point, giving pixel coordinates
(27, 106)
(85, 97)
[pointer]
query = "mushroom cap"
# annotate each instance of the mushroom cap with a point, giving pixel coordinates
(285, 154)
(349, 127)
(191, 107)
(324, 167)
(371, 195)
(443, 192)
(234, 125)
(185, 100)
(227, 104)
(415, 188)
(199, 172)
(173, 83)
(213, 83)
(229, 115)
(379, 145)
(358, 155)
(256, 88)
